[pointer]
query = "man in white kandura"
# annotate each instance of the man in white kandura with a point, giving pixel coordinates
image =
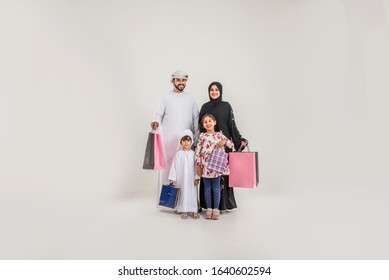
(176, 112)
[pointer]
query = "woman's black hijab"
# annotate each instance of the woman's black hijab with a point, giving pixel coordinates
(207, 107)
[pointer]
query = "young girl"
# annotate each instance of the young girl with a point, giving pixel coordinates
(206, 143)
(183, 174)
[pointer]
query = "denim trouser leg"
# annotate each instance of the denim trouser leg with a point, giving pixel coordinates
(212, 190)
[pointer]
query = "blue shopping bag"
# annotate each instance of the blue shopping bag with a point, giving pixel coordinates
(169, 196)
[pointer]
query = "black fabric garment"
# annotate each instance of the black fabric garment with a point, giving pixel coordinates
(227, 197)
(225, 122)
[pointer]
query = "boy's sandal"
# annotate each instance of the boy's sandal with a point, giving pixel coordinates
(215, 214)
(196, 216)
(184, 215)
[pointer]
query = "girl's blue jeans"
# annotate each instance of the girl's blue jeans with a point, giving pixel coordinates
(212, 189)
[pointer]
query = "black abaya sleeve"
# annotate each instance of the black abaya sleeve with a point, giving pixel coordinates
(234, 132)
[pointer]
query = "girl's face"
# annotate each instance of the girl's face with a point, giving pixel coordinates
(209, 124)
(214, 92)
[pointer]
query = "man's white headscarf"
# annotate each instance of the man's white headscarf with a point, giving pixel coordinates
(180, 74)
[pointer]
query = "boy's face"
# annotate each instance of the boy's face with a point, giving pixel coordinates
(186, 144)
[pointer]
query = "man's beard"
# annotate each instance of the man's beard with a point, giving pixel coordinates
(179, 87)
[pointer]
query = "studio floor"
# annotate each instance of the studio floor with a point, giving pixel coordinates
(328, 225)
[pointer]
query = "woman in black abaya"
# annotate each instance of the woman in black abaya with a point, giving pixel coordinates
(225, 122)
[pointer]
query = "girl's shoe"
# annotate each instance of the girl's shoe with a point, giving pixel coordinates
(184, 215)
(208, 214)
(196, 215)
(215, 214)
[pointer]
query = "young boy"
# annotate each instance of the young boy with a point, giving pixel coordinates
(183, 174)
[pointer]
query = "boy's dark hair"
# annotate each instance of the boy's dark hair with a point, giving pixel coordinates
(186, 137)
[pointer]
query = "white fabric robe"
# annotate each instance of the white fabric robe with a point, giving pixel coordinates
(175, 113)
(183, 173)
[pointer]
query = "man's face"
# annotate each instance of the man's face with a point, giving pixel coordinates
(179, 84)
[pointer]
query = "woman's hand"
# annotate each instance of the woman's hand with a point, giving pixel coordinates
(244, 143)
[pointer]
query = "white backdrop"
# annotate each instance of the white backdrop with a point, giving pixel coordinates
(80, 80)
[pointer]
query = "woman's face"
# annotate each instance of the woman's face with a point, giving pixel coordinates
(214, 92)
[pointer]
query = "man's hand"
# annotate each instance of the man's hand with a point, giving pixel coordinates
(154, 125)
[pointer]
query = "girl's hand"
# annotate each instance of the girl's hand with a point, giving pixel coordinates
(199, 171)
(222, 143)
(196, 182)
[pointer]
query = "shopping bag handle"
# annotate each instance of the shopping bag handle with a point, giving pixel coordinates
(173, 186)
(155, 131)
(241, 146)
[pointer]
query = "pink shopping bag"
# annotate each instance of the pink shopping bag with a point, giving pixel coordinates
(159, 155)
(243, 170)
